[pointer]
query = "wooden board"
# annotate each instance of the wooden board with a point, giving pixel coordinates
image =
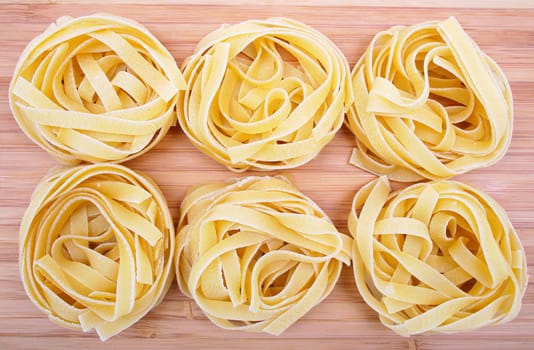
(504, 29)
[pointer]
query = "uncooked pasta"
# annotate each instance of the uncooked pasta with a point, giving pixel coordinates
(256, 254)
(438, 257)
(95, 88)
(428, 104)
(266, 94)
(96, 247)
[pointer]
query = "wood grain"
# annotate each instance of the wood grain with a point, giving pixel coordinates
(504, 30)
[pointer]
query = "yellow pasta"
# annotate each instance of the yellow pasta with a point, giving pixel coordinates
(428, 104)
(96, 248)
(95, 88)
(437, 257)
(256, 254)
(264, 94)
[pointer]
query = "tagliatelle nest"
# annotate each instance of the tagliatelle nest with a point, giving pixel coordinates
(266, 94)
(95, 88)
(436, 257)
(428, 104)
(256, 254)
(96, 248)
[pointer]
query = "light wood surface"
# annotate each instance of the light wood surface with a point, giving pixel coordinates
(504, 30)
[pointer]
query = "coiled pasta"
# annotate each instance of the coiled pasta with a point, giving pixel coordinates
(428, 104)
(256, 254)
(264, 94)
(436, 257)
(95, 88)
(96, 248)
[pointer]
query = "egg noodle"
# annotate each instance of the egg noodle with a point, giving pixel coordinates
(428, 104)
(256, 254)
(95, 88)
(97, 242)
(96, 247)
(264, 94)
(436, 257)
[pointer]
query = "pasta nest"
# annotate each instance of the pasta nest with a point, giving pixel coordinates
(95, 88)
(256, 254)
(96, 248)
(264, 94)
(429, 104)
(437, 257)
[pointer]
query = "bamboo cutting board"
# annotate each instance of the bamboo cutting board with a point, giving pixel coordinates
(504, 29)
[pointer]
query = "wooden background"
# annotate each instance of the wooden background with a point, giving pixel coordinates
(503, 29)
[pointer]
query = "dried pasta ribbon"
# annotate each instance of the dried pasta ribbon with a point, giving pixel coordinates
(429, 104)
(96, 248)
(95, 88)
(437, 257)
(256, 254)
(264, 94)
